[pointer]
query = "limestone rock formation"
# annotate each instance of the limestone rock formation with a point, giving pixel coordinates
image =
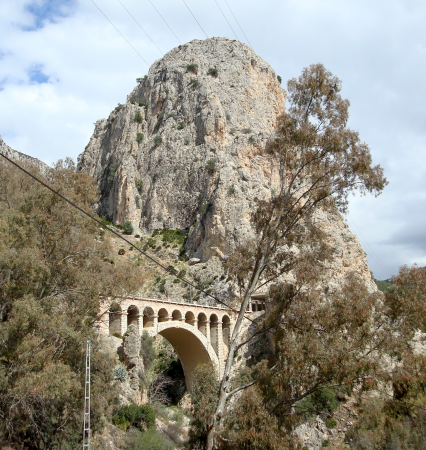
(185, 151)
(21, 157)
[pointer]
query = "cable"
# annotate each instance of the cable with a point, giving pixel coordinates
(375, 257)
(165, 21)
(195, 19)
(140, 27)
(238, 24)
(172, 272)
(120, 33)
(235, 34)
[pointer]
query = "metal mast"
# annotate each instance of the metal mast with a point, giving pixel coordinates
(86, 430)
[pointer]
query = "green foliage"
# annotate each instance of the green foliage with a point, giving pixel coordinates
(117, 335)
(121, 251)
(211, 166)
(139, 137)
(161, 286)
(279, 79)
(181, 125)
(139, 185)
(321, 401)
(176, 280)
(331, 422)
(157, 140)
(194, 82)
(147, 351)
(232, 131)
(246, 130)
(120, 374)
(213, 72)
(192, 68)
(52, 270)
(150, 440)
(138, 117)
(204, 395)
(140, 417)
(119, 107)
(383, 285)
(127, 228)
(111, 170)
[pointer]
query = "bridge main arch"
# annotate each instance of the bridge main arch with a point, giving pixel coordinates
(191, 346)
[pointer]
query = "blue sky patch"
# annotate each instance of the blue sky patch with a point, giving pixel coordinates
(36, 75)
(48, 11)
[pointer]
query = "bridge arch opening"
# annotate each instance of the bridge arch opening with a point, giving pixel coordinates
(191, 347)
(214, 326)
(133, 316)
(163, 315)
(114, 317)
(190, 318)
(176, 315)
(202, 323)
(148, 318)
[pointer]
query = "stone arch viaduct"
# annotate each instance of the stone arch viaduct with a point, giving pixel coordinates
(198, 333)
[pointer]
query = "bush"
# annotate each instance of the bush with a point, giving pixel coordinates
(192, 68)
(150, 439)
(181, 125)
(204, 208)
(140, 417)
(120, 374)
(138, 117)
(331, 422)
(139, 138)
(176, 280)
(232, 131)
(279, 79)
(213, 72)
(139, 186)
(119, 107)
(158, 140)
(127, 228)
(246, 130)
(121, 251)
(117, 335)
(194, 82)
(211, 166)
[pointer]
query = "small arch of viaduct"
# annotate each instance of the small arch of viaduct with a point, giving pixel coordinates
(198, 333)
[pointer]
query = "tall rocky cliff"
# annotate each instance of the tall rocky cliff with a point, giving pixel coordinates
(185, 151)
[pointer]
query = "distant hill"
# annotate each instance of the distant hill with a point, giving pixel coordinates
(383, 285)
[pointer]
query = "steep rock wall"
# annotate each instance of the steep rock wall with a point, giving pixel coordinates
(185, 151)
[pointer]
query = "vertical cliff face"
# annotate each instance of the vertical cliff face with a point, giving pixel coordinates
(186, 150)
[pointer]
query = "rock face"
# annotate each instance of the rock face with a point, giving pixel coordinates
(186, 150)
(21, 157)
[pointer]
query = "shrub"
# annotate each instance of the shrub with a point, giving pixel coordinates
(147, 351)
(194, 82)
(121, 251)
(139, 186)
(117, 335)
(192, 68)
(158, 140)
(279, 79)
(150, 439)
(186, 141)
(246, 130)
(139, 138)
(182, 273)
(231, 190)
(140, 417)
(181, 125)
(211, 166)
(228, 117)
(120, 374)
(232, 131)
(176, 280)
(161, 286)
(213, 72)
(138, 117)
(331, 422)
(119, 107)
(127, 228)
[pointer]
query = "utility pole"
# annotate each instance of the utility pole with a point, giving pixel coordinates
(86, 430)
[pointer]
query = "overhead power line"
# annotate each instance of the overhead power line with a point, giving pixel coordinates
(223, 14)
(140, 27)
(158, 263)
(122, 35)
(195, 19)
(158, 12)
(238, 24)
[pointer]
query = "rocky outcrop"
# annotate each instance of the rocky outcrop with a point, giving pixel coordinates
(186, 151)
(21, 157)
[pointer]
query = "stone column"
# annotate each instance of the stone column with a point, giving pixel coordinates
(208, 330)
(155, 322)
(220, 352)
(123, 323)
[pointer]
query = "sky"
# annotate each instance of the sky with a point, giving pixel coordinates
(63, 66)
